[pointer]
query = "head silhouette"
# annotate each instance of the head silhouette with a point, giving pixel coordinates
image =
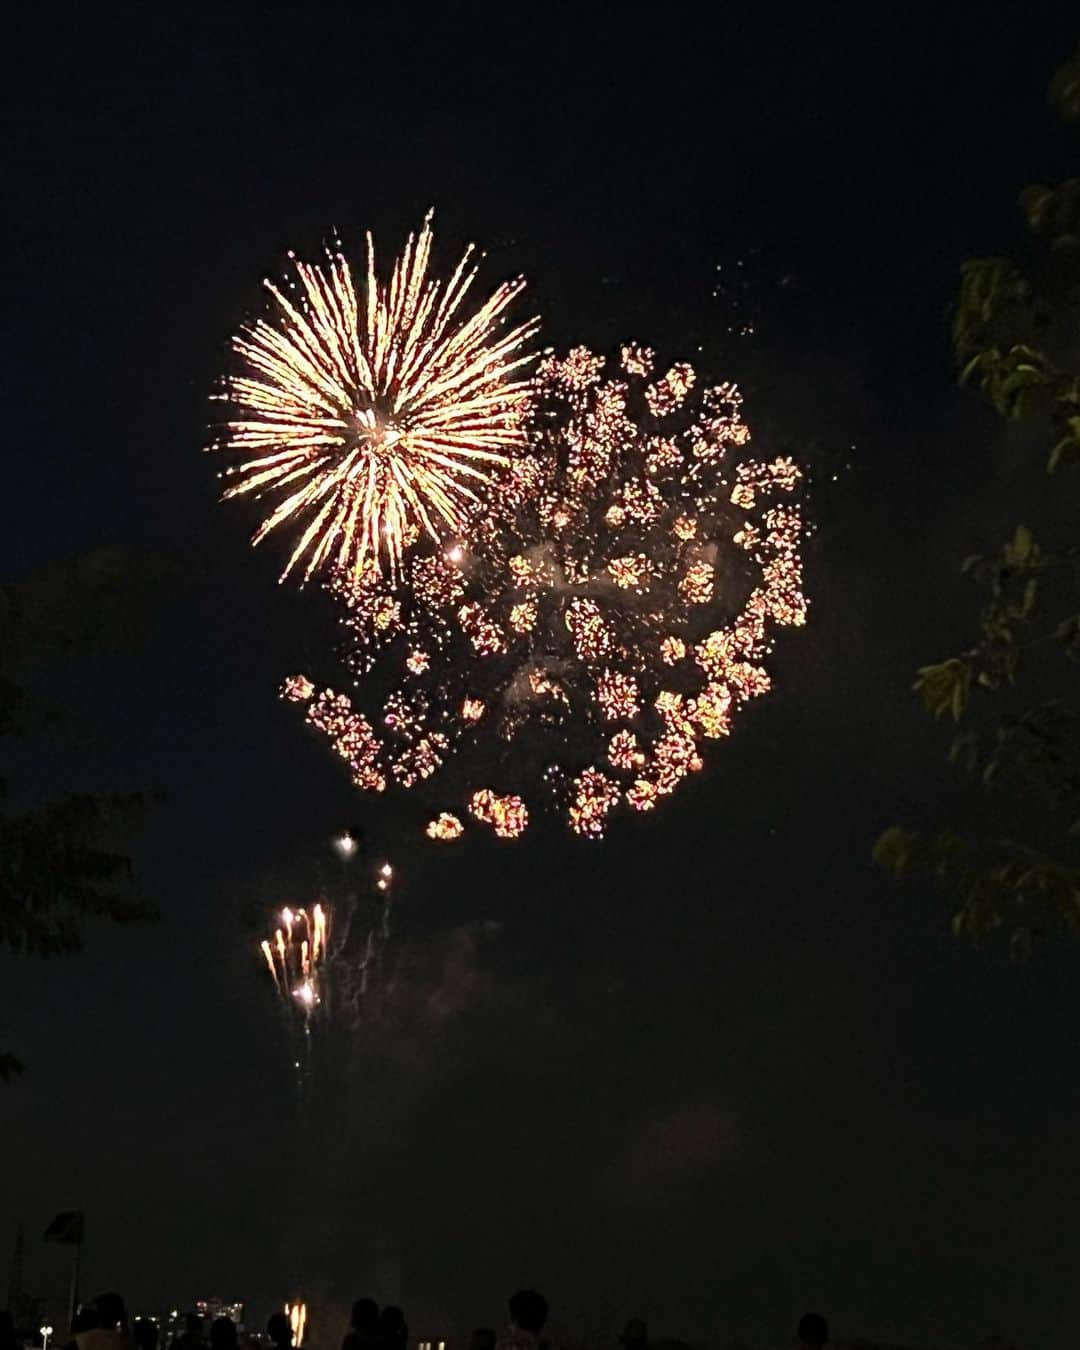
(145, 1334)
(528, 1310)
(111, 1310)
(365, 1313)
(279, 1330)
(813, 1331)
(223, 1334)
(392, 1329)
(635, 1334)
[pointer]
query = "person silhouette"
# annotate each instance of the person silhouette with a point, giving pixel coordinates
(393, 1333)
(191, 1338)
(635, 1335)
(528, 1311)
(363, 1332)
(144, 1332)
(223, 1334)
(812, 1332)
(279, 1331)
(108, 1325)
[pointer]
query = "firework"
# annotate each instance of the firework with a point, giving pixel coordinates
(326, 970)
(508, 816)
(605, 618)
(297, 957)
(378, 418)
(297, 1315)
(445, 826)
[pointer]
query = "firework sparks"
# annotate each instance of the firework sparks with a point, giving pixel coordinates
(444, 827)
(318, 947)
(379, 418)
(584, 568)
(508, 816)
(297, 1315)
(594, 796)
(326, 963)
(264, 947)
(297, 956)
(617, 601)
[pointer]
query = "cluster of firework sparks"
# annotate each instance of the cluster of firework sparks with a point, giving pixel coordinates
(565, 581)
(309, 957)
(381, 420)
(296, 955)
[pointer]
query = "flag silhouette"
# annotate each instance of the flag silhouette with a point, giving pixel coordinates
(66, 1227)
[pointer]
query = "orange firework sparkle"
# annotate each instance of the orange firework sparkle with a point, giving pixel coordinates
(380, 420)
(617, 599)
(444, 827)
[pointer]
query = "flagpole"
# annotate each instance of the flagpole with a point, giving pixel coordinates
(73, 1298)
(69, 1228)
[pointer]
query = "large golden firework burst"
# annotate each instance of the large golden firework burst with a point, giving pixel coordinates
(594, 636)
(381, 419)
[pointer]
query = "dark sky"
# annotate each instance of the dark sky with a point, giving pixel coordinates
(716, 1069)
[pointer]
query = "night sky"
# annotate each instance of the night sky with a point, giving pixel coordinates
(717, 1069)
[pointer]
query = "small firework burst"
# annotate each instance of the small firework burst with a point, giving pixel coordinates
(444, 827)
(508, 816)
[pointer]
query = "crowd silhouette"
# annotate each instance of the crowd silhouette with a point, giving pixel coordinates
(102, 1324)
